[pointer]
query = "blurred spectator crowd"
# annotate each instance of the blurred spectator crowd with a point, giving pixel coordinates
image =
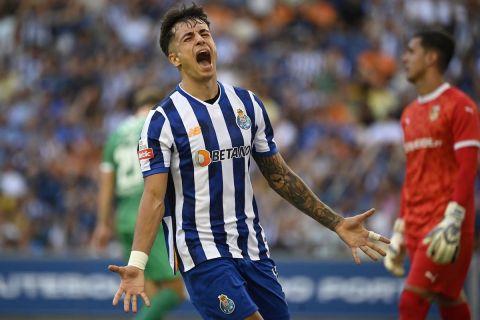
(329, 72)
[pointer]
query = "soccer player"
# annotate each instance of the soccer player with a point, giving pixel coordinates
(195, 151)
(121, 180)
(436, 224)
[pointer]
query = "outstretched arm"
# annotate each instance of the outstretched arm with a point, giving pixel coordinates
(290, 187)
(150, 214)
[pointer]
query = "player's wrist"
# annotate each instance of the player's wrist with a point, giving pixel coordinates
(454, 212)
(138, 259)
(397, 236)
(399, 226)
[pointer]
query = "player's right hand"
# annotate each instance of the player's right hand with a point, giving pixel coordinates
(132, 284)
(393, 261)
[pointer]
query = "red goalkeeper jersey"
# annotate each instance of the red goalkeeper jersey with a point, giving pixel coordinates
(434, 127)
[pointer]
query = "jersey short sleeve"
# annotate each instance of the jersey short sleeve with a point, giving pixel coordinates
(466, 125)
(155, 145)
(263, 143)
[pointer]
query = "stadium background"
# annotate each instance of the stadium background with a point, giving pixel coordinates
(328, 71)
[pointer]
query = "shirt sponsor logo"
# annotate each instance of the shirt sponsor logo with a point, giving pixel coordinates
(145, 154)
(422, 143)
(205, 157)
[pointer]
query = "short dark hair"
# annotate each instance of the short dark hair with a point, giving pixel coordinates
(176, 15)
(439, 41)
(147, 96)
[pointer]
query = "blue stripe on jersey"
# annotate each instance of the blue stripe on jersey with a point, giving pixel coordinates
(244, 95)
(238, 173)
(188, 185)
(247, 101)
(215, 181)
(268, 130)
(170, 205)
(258, 232)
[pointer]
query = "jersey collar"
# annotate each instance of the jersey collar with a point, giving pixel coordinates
(435, 94)
(188, 95)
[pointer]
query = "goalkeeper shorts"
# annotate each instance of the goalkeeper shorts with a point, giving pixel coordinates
(445, 279)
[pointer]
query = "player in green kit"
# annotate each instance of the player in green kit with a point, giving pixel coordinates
(121, 184)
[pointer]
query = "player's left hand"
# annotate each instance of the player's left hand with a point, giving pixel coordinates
(444, 239)
(354, 234)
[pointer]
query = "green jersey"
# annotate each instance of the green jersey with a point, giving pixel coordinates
(120, 154)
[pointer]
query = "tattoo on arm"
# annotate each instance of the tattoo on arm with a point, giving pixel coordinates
(290, 187)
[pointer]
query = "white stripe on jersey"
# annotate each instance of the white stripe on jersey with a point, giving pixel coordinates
(202, 189)
(229, 213)
(261, 143)
(171, 252)
(145, 164)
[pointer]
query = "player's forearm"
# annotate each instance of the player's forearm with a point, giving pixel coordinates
(402, 204)
(105, 197)
(292, 188)
(463, 189)
(150, 214)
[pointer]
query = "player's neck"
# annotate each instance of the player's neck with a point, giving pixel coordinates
(428, 84)
(203, 90)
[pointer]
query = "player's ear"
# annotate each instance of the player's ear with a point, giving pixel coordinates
(431, 57)
(174, 59)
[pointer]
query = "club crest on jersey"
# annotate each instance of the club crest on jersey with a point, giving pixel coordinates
(243, 120)
(434, 113)
(226, 304)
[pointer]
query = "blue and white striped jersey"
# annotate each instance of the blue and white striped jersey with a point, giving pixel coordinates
(206, 148)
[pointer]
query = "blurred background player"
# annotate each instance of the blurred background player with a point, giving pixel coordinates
(121, 181)
(436, 224)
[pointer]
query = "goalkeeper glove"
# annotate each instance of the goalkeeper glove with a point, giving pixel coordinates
(393, 261)
(444, 239)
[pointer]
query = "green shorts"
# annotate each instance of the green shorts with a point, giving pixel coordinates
(158, 268)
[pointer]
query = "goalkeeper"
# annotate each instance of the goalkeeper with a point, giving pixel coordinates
(436, 224)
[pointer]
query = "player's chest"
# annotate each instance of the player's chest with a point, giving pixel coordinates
(423, 121)
(214, 128)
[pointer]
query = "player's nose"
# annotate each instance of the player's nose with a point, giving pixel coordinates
(199, 39)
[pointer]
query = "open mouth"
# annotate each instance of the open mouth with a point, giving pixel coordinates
(204, 58)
